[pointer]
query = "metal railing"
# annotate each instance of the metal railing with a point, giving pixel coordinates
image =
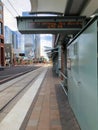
(64, 89)
(63, 75)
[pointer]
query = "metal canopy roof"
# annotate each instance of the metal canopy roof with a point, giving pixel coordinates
(48, 5)
(66, 7)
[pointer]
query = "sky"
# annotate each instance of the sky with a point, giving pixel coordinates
(46, 41)
(12, 9)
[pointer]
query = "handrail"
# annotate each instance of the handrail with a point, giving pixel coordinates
(63, 75)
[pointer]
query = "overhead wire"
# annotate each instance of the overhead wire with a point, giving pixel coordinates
(9, 9)
(13, 7)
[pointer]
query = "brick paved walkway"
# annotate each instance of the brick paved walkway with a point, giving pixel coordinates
(51, 110)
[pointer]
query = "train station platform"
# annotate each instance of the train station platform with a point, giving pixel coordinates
(50, 109)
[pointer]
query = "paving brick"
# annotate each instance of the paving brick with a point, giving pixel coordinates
(52, 110)
(33, 122)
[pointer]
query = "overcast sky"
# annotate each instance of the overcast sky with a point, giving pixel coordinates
(13, 8)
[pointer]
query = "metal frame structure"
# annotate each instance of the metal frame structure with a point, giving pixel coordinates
(50, 24)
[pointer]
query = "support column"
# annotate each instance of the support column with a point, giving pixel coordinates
(64, 65)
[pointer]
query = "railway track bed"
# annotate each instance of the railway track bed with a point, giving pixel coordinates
(12, 90)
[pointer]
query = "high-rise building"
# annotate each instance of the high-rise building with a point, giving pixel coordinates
(18, 42)
(37, 46)
(2, 57)
(14, 45)
(29, 45)
(7, 35)
(34, 44)
(8, 46)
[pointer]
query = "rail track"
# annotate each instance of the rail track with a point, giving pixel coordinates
(10, 90)
(13, 72)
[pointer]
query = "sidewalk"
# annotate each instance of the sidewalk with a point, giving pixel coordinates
(51, 110)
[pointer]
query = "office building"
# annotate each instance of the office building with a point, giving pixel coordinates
(34, 44)
(29, 45)
(2, 57)
(8, 46)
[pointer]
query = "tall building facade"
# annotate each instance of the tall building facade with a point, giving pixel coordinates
(7, 35)
(37, 46)
(29, 45)
(8, 46)
(14, 45)
(18, 42)
(2, 57)
(35, 41)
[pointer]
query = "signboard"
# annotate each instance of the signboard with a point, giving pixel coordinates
(49, 24)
